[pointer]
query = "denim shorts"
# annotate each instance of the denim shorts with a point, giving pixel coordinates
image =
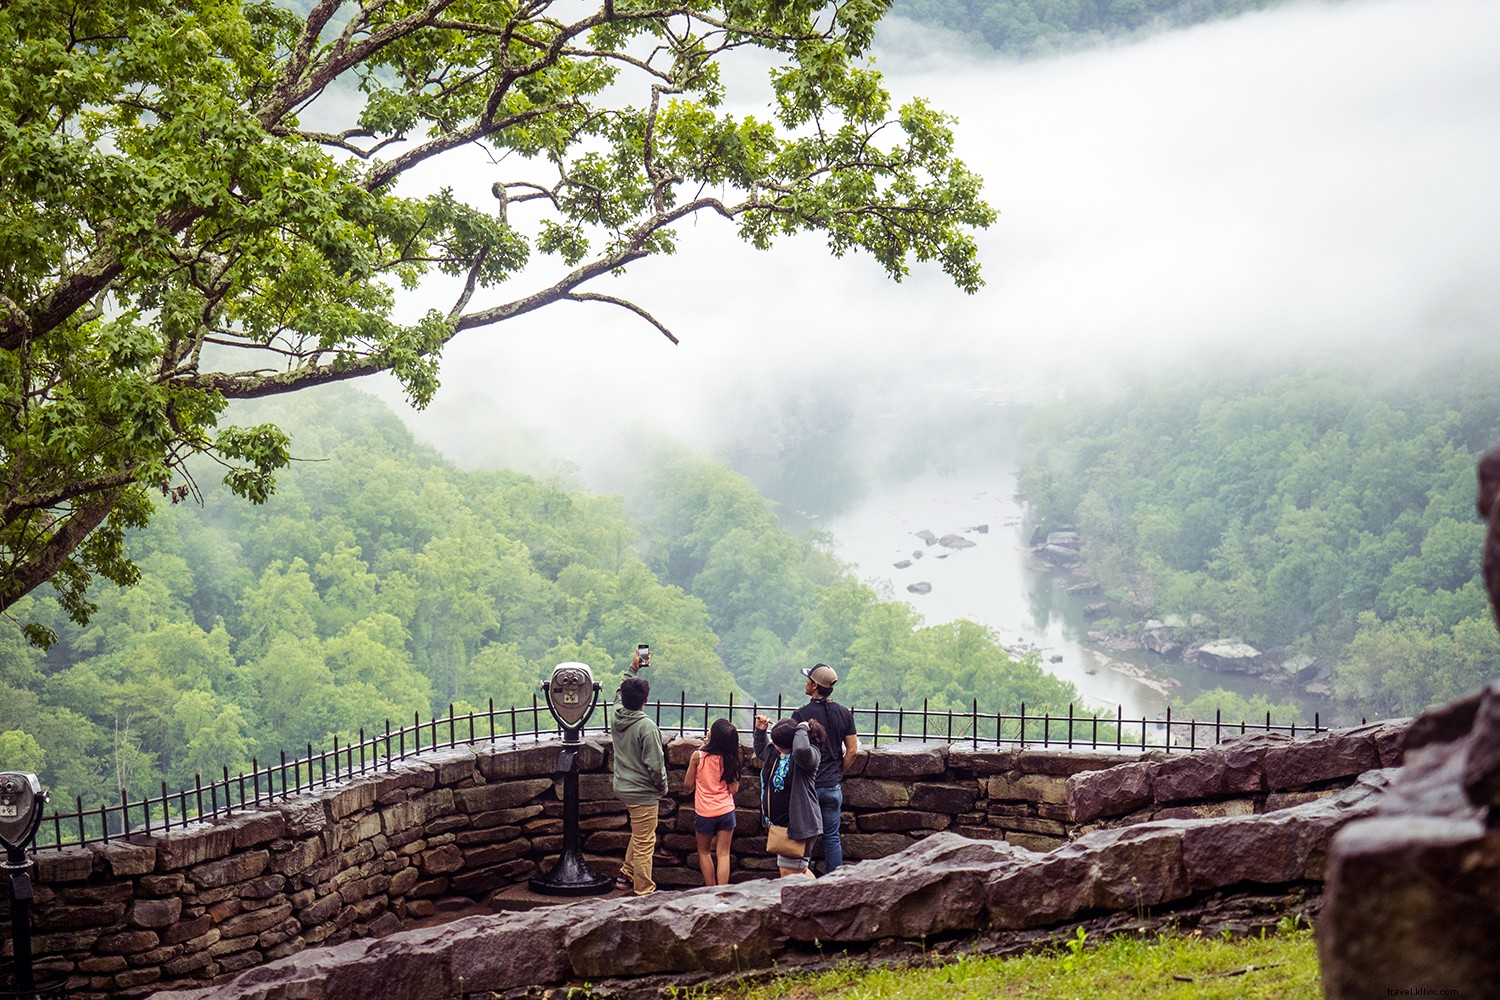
(710, 825)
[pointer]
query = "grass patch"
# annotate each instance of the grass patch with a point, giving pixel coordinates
(1168, 967)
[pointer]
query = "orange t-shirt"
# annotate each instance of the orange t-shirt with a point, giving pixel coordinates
(711, 797)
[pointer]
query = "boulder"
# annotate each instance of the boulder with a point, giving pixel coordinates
(1412, 900)
(717, 929)
(1059, 555)
(1108, 870)
(1228, 657)
(1299, 669)
(464, 957)
(1276, 848)
(935, 887)
(919, 588)
(1413, 891)
(1481, 773)
(955, 542)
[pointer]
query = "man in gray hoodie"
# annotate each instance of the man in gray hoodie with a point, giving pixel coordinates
(640, 778)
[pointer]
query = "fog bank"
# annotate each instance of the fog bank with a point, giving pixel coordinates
(1319, 176)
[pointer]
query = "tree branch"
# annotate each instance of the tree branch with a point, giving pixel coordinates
(43, 564)
(624, 304)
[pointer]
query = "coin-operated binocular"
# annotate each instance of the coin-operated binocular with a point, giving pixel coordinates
(572, 693)
(21, 802)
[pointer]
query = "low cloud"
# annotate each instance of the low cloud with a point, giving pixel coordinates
(1316, 175)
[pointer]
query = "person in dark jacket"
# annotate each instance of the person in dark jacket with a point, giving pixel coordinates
(838, 756)
(640, 778)
(788, 797)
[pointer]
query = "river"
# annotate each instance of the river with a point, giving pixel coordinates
(996, 583)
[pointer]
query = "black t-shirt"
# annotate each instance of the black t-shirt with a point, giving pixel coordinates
(839, 722)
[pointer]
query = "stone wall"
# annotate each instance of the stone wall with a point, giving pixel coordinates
(378, 854)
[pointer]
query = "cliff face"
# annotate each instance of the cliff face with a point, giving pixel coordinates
(949, 842)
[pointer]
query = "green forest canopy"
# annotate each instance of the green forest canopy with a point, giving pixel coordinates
(1328, 513)
(381, 581)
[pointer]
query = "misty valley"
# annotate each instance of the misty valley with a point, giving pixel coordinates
(1317, 516)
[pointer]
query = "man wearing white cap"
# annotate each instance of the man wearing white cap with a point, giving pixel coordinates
(839, 722)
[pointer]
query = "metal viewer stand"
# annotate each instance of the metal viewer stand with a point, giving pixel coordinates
(21, 802)
(571, 695)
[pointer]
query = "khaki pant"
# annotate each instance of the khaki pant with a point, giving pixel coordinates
(638, 853)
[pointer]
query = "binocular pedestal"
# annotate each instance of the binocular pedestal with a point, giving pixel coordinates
(570, 876)
(17, 866)
(571, 695)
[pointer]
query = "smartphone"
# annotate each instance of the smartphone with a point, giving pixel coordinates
(643, 653)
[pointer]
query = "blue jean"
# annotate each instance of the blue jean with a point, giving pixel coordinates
(831, 805)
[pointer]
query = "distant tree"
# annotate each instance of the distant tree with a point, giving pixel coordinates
(185, 220)
(21, 752)
(1232, 709)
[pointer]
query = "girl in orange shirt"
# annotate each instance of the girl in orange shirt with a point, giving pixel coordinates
(713, 773)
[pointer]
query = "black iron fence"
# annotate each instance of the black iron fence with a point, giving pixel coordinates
(374, 752)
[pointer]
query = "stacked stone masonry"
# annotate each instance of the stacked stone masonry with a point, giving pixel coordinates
(390, 850)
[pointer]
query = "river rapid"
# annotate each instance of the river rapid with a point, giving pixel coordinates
(997, 583)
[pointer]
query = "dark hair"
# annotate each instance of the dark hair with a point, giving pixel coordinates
(633, 692)
(724, 740)
(783, 732)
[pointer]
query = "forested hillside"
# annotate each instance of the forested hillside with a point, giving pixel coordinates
(381, 581)
(1328, 513)
(1036, 27)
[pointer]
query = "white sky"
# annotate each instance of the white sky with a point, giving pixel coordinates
(1322, 173)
